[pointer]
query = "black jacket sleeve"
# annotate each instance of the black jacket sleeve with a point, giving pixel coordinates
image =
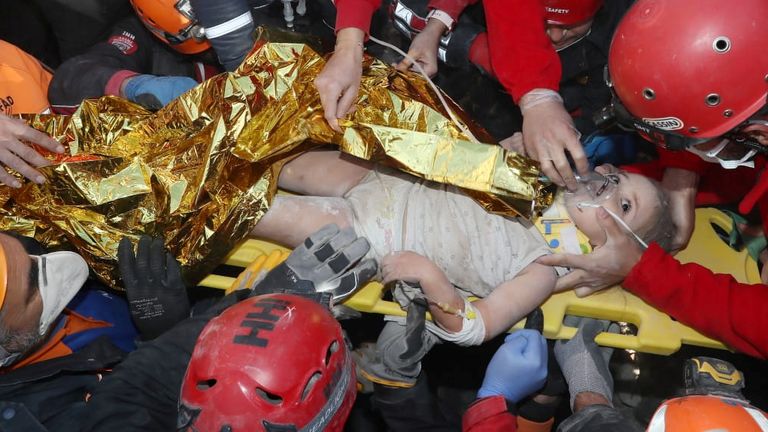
(128, 47)
(142, 393)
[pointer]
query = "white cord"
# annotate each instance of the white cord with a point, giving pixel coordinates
(617, 219)
(455, 119)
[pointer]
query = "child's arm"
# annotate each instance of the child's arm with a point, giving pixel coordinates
(513, 300)
(411, 267)
(508, 303)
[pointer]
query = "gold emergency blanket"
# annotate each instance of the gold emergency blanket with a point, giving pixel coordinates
(202, 171)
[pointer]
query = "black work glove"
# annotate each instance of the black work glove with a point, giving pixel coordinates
(157, 296)
(329, 261)
(555, 384)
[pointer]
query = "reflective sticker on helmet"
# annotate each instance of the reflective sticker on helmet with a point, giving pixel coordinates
(665, 123)
(124, 42)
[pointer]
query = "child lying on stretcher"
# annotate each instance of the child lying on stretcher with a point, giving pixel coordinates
(433, 235)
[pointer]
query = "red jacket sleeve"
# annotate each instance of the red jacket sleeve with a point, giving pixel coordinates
(355, 13)
(521, 53)
(714, 304)
(489, 415)
(454, 8)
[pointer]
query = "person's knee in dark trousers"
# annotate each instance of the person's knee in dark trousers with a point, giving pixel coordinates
(410, 409)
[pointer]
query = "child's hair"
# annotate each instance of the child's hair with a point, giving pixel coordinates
(662, 228)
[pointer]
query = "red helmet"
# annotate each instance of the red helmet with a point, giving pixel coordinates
(691, 68)
(570, 12)
(271, 362)
(707, 413)
(174, 23)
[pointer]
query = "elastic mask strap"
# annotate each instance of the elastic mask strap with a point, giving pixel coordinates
(439, 94)
(717, 149)
(617, 219)
(731, 164)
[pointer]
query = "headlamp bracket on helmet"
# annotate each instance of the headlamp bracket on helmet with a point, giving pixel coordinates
(193, 30)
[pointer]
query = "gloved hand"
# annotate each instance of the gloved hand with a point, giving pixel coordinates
(157, 296)
(329, 261)
(154, 92)
(518, 368)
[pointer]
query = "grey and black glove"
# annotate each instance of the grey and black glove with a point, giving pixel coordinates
(157, 295)
(329, 261)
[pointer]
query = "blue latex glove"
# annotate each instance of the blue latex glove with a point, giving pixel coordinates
(518, 368)
(154, 92)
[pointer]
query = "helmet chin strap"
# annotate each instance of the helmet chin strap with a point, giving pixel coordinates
(616, 218)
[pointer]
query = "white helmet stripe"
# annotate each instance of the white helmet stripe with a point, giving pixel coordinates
(759, 418)
(658, 422)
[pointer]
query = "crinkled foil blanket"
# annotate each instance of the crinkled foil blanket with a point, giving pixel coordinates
(202, 171)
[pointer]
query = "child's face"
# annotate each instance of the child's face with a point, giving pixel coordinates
(636, 201)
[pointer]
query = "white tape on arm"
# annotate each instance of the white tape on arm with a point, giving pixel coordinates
(472, 330)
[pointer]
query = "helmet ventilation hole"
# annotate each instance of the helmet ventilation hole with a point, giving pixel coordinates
(693, 129)
(332, 348)
(713, 99)
(206, 384)
(727, 113)
(721, 44)
(649, 94)
(310, 385)
(269, 397)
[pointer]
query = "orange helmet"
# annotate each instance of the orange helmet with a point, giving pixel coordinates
(707, 413)
(570, 12)
(689, 70)
(174, 23)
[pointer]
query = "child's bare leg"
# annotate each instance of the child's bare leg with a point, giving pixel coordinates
(291, 219)
(327, 173)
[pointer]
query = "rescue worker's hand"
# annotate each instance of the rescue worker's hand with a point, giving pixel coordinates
(328, 261)
(514, 143)
(339, 81)
(154, 92)
(518, 368)
(606, 266)
(424, 48)
(548, 132)
(16, 154)
(157, 296)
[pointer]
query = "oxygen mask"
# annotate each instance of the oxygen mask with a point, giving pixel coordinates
(592, 191)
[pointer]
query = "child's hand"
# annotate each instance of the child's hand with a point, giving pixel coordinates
(424, 48)
(409, 267)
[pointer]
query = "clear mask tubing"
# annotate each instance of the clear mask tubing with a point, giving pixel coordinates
(595, 189)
